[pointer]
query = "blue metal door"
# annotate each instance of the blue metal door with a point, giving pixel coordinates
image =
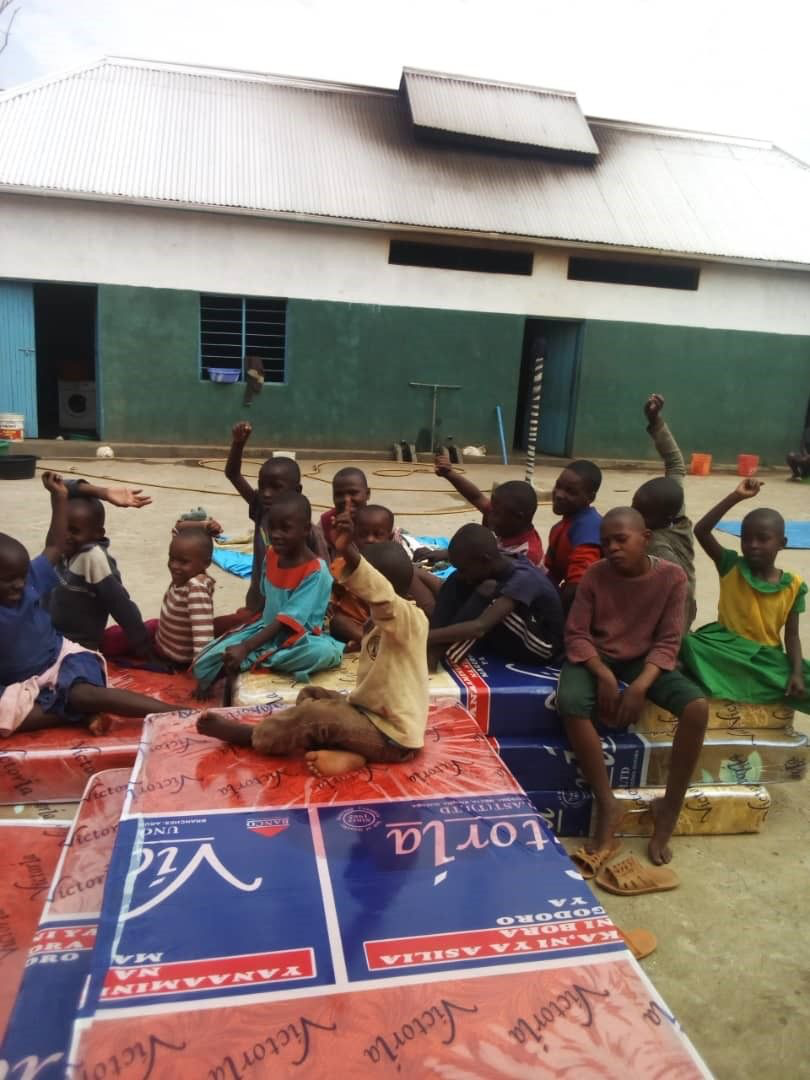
(559, 374)
(18, 362)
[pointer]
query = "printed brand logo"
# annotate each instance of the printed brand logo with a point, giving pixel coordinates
(359, 820)
(268, 826)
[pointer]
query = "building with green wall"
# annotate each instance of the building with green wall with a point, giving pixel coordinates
(356, 240)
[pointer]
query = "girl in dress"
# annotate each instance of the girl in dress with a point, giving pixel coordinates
(741, 656)
(296, 585)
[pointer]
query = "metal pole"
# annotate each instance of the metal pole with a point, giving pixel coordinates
(435, 387)
(534, 418)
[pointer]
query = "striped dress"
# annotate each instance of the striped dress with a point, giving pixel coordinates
(186, 619)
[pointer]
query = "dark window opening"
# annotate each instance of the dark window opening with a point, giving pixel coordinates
(456, 257)
(234, 329)
(620, 272)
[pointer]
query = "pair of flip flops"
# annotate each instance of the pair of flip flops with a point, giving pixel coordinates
(625, 877)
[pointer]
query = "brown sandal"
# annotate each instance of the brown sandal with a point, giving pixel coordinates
(640, 942)
(589, 863)
(629, 877)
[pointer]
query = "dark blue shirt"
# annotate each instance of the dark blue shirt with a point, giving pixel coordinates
(29, 644)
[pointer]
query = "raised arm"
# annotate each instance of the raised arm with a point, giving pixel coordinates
(662, 437)
(57, 531)
(466, 488)
(116, 496)
(240, 433)
(746, 489)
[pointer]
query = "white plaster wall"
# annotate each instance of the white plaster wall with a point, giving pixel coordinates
(50, 239)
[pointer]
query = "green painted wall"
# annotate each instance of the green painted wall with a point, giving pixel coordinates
(728, 392)
(348, 368)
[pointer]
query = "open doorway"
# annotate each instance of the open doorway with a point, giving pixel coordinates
(557, 341)
(65, 322)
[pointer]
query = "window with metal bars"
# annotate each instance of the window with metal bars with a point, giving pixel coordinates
(234, 329)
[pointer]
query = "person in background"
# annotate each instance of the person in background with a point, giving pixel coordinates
(799, 463)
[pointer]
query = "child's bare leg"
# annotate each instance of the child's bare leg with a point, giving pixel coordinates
(318, 693)
(83, 697)
(587, 747)
(686, 747)
(333, 762)
(218, 725)
(38, 719)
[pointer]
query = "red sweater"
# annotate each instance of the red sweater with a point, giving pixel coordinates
(623, 618)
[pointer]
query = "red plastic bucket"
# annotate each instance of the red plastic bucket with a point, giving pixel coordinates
(747, 464)
(700, 465)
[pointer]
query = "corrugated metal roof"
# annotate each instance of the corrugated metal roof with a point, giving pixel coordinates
(139, 131)
(498, 112)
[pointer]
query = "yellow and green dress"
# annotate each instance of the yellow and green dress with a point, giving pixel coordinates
(741, 657)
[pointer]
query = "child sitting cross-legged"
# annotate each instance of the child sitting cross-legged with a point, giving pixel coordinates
(740, 657)
(348, 614)
(383, 719)
(296, 585)
(45, 679)
(625, 625)
(508, 511)
(502, 601)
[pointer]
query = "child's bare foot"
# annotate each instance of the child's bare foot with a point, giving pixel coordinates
(218, 725)
(664, 822)
(99, 723)
(333, 762)
(608, 818)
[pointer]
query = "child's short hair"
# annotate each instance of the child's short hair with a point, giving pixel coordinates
(393, 562)
(626, 513)
(200, 538)
(473, 540)
(590, 473)
(12, 550)
(287, 466)
(94, 506)
(660, 498)
(292, 502)
(350, 472)
(764, 518)
(373, 508)
(518, 497)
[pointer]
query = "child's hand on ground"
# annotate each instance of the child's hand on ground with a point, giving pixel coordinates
(240, 432)
(796, 687)
(233, 658)
(630, 705)
(607, 692)
(201, 693)
(748, 488)
(653, 406)
(54, 483)
(128, 497)
(442, 465)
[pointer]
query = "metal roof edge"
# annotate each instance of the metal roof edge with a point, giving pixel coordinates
(682, 133)
(488, 82)
(394, 226)
(53, 77)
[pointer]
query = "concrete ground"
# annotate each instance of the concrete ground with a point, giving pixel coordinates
(734, 939)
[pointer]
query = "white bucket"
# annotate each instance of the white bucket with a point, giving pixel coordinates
(12, 426)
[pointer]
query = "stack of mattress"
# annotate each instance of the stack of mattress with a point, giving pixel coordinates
(418, 919)
(746, 747)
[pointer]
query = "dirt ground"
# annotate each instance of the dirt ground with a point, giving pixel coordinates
(734, 939)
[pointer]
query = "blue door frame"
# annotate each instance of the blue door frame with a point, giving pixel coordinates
(561, 351)
(18, 359)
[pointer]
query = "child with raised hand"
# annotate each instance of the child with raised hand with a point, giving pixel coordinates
(90, 589)
(296, 586)
(45, 679)
(508, 511)
(741, 657)
(502, 601)
(348, 613)
(661, 503)
(574, 542)
(625, 625)
(383, 719)
(277, 476)
(131, 498)
(350, 491)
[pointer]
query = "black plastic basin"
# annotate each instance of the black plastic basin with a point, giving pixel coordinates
(18, 466)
